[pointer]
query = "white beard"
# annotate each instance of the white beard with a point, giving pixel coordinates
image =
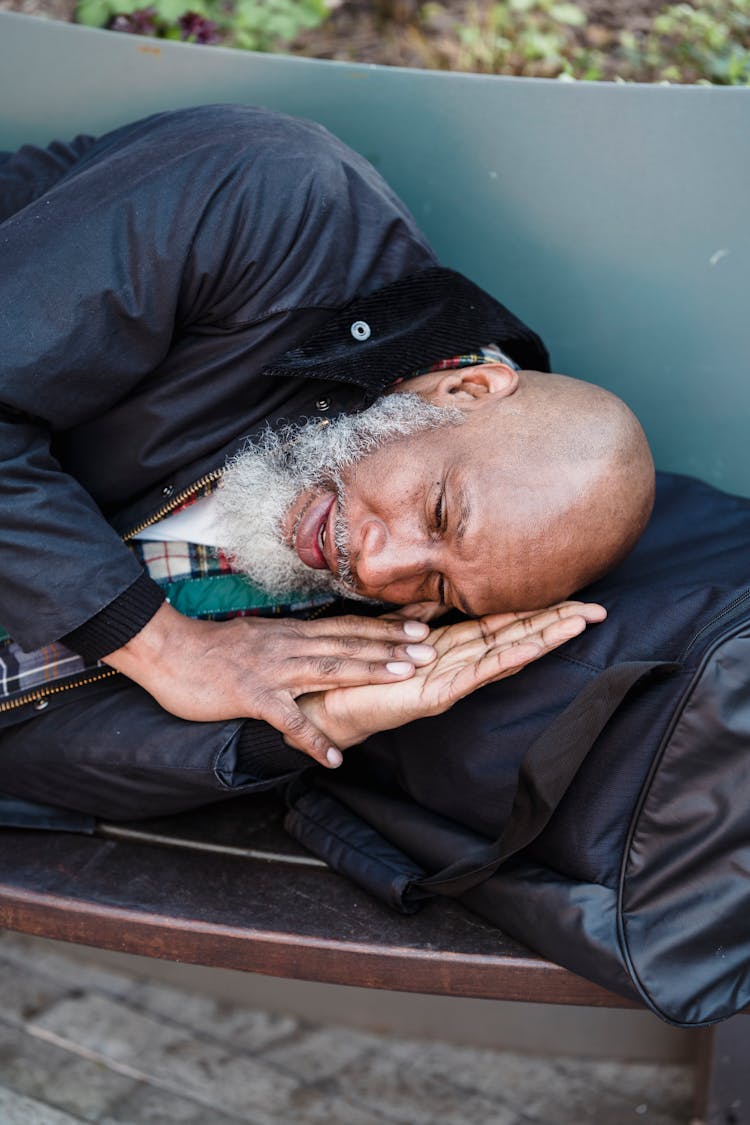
(264, 479)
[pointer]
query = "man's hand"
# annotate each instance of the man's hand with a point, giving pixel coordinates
(253, 667)
(470, 655)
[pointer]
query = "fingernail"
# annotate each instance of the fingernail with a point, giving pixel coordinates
(416, 629)
(399, 667)
(334, 757)
(420, 653)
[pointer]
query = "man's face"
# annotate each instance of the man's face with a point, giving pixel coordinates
(276, 496)
(432, 515)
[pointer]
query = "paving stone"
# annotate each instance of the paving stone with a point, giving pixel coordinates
(27, 1066)
(42, 1070)
(310, 1106)
(68, 971)
(401, 1092)
(18, 1110)
(108, 1027)
(168, 1054)
(27, 994)
(88, 1089)
(559, 1090)
(658, 1094)
(241, 1027)
(322, 1052)
(233, 1083)
(79, 1044)
(148, 1105)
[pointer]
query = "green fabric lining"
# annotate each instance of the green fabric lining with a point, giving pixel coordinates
(226, 593)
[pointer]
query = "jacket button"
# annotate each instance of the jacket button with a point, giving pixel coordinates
(41, 704)
(323, 404)
(360, 330)
(167, 490)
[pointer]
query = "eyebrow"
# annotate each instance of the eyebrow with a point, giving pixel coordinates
(464, 514)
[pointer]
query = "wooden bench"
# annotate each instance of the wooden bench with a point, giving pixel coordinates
(614, 219)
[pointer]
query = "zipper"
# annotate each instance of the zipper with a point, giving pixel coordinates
(175, 502)
(186, 493)
(42, 693)
(733, 605)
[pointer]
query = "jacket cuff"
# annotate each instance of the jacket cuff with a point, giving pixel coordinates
(262, 754)
(118, 622)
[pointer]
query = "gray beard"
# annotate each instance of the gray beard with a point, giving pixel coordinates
(264, 479)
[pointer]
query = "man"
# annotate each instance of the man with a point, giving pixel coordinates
(173, 292)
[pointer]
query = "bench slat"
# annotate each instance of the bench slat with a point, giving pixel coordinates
(176, 900)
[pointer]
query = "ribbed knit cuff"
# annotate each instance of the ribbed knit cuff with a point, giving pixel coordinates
(118, 622)
(262, 753)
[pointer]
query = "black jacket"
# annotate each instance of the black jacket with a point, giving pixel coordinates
(167, 290)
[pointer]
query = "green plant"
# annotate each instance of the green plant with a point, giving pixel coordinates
(690, 44)
(531, 37)
(258, 25)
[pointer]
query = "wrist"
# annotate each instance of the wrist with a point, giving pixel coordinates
(150, 645)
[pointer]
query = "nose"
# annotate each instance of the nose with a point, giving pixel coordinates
(389, 556)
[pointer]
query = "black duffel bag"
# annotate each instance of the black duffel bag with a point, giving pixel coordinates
(597, 806)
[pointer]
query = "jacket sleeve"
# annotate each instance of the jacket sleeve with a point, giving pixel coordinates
(97, 275)
(88, 298)
(208, 217)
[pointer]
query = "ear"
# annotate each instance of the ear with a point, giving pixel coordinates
(466, 387)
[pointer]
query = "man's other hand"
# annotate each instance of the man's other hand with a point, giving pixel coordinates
(471, 654)
(254, 667)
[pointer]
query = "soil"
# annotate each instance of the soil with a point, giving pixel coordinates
(398, 33)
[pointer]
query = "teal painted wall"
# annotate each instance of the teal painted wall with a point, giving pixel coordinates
(615, 219)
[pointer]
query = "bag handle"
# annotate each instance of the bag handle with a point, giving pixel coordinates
(546, 771)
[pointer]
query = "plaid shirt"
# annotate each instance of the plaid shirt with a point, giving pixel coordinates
(198, 581)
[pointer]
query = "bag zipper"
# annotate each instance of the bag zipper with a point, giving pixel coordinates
(729, 609)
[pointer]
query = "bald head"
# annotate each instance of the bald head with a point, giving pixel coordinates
(485, 489)
(582, 475)
(558, 473)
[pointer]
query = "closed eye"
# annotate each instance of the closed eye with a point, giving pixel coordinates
(440, 510)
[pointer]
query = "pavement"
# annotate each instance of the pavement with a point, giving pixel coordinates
(80, 1043)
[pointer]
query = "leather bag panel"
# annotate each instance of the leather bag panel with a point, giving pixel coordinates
(686, 882)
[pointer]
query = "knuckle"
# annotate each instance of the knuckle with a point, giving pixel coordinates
(329, 665)
(344, 622)
(351, 645)
(291, 626)
(294, 722)
(266, 701)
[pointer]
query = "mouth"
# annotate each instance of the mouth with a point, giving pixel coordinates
(313, 537)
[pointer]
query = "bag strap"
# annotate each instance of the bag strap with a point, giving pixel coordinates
(546, 771)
